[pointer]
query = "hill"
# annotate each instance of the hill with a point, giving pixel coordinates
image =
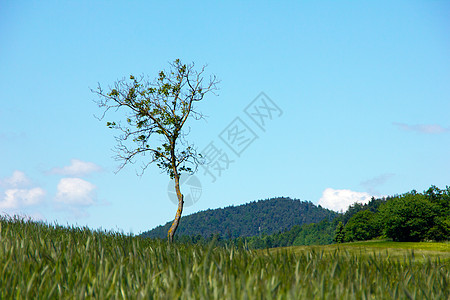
(255, 218)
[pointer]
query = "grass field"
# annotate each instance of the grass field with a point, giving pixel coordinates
(53, 262)
(387, 249)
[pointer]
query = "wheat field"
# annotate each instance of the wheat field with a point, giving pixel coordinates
(41, 261)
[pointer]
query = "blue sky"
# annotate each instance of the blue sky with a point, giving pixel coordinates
(362, 91)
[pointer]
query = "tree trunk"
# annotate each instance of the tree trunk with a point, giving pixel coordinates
(176, 222)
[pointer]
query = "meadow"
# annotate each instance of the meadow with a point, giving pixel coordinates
(55, 262)
(418, 251)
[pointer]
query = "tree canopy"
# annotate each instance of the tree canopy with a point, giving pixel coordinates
(410, 217)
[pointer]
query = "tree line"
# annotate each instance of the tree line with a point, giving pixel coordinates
(409, 217)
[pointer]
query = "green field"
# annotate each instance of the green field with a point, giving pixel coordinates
(387, 249)
(54, 262)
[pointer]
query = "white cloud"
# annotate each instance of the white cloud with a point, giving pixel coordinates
(77, 168)
(75, 192)
(16, 199)
(18, 179)
(340, 200)
(423, 128)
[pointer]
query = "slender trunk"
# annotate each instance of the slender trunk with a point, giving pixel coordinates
(176, 222)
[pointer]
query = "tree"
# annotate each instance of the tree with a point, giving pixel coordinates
(361, 227)
(441, 199)
(408, 218)
(441, 230)
(156, 112)
(340, 233)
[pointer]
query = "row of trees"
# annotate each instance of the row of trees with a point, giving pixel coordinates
(321, 233)
(409, 217)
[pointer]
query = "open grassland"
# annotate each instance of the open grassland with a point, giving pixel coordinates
(422, 251)
(52, 262)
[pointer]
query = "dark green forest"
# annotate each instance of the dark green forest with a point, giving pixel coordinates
(281, 222)
(321, 233)
(263, 217)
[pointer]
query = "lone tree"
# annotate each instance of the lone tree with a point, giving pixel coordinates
(155, 113)
(339, 236)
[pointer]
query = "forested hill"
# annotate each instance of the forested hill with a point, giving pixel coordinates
(254, 218)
